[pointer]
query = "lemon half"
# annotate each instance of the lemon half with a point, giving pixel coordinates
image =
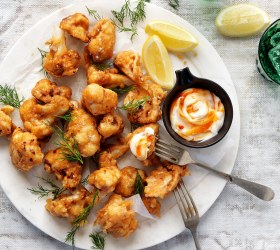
(173, 37)
(242, 20)
(157, 62)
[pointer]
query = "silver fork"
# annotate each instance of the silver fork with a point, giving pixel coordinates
(188, 210)
(180, 156)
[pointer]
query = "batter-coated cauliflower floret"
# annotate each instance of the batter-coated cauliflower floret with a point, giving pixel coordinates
(99, 100)
(70, 205)
(82, 127)
(111, 124)
(45, 90)
(102, 40)
(149, 112)
(108, 78)
(68, 172)
(105, 178)
(117, 150)
(38, 118)
(76, 25)
(129, 62)
(25, 151)
(164, 180)
(154, 89)
(6, 124)
(60, 61)
(126, 185)
(117, 218)
(152, 205)
(106, 159)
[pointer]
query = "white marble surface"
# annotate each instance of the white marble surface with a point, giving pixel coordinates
(237, 220)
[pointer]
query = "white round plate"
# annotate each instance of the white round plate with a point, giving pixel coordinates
(21, 68)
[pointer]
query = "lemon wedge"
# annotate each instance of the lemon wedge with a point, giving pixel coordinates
(157, 62)
(242, 20)
(173, 37)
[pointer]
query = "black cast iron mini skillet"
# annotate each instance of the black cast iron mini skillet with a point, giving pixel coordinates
(185, 80)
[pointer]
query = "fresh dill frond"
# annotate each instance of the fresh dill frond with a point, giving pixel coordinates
(125, 12)
(103, 65)
(94, 13)
(43, 54)
(133, 30)
(70, 237)
(139, 184)
(138, 13)
(174, 4)
(54, 190)
(123, 90)
(80, 220)
(98, 240)
(84, 181)
(67, 117)
(9, 96)
(70, 151)
(133, 105)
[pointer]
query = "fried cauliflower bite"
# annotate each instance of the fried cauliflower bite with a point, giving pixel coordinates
(76, 25)
(38, 118)
(129, 63)
(152, 205)
(82, 127)
(102, 40)
(117, 150)
(106, 159)
(60, 61)
(154, 89)
(111, 124)
(6, 124)
(117, 218)
(105, 178)
(126, 185)
(98, 100)
(25, 151)
(68, 172)
(150, 112)
(70, 205)
(45, 90)
(164, 180)
(109, 77)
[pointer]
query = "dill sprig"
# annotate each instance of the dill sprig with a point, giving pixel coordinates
(9, 96)
(174, 4)
(103, 65)
(98, 240)
(123, 90)
(80, 220)
(94, 13)
(133, 105)
(67, 117)
(139, 184)
(43, 55)
(54, 190)
(84, 181)
(69, 147)
(135, 16)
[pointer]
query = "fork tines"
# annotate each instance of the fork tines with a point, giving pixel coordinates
(168, 152)
(185, 202)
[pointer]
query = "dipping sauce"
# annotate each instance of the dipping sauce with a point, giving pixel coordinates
(141, 143)
(197, 114)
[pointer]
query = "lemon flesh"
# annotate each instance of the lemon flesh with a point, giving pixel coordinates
(157, 62)
(173, 37)
(242, 20)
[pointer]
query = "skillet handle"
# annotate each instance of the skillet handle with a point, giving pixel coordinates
(184, 77)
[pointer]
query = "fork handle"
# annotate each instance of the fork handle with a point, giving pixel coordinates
(194, 234)
(260, 191)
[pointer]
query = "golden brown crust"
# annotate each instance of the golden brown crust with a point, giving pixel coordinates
(117, 218)
(6, 124)
(25, 151)
(82, 127)
(77, 26)
(66, 171)
(102, 40)
(152, 205)
(126, 185)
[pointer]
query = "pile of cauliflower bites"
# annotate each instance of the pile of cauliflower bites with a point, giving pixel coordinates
(93, 120)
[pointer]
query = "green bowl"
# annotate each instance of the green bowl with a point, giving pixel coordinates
(264, 64)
